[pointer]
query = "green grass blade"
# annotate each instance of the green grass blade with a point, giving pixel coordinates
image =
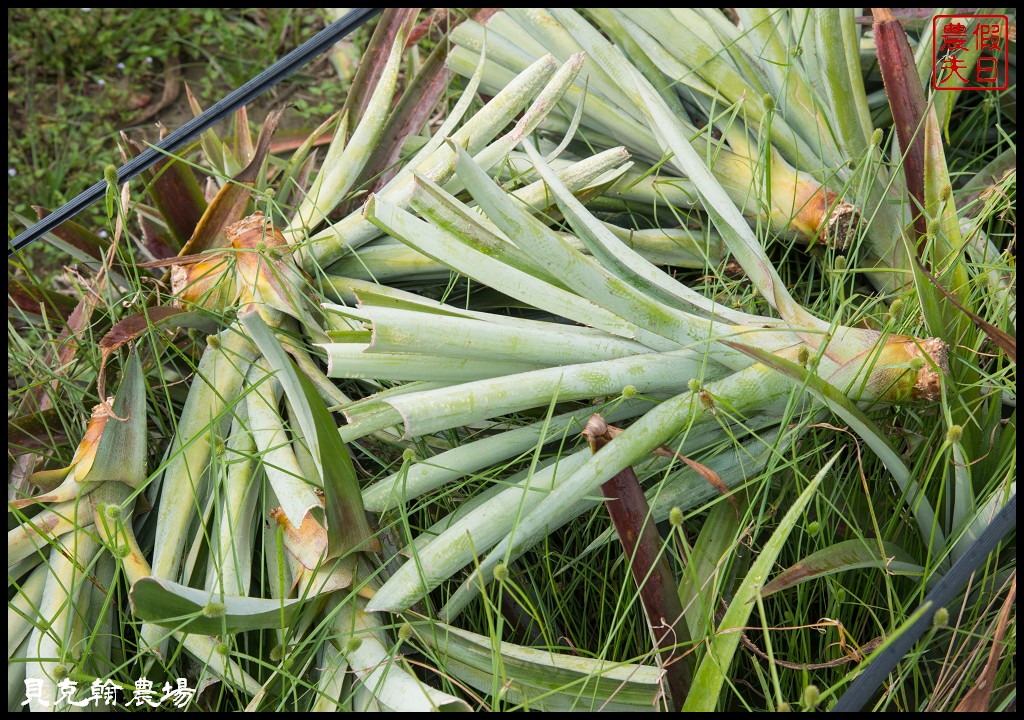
(711, 674)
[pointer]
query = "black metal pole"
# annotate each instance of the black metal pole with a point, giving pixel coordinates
(944, 592)
(248, 92)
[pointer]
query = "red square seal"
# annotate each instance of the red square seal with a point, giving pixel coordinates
(969, 52)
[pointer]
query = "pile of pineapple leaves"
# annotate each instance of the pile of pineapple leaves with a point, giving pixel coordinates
(584, 360)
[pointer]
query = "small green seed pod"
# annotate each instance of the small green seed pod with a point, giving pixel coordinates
(896, 309)
(811, 696)
(706, 399)
(954, 434)
(214, 610)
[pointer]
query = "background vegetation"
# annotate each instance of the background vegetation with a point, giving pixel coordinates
(77, 77)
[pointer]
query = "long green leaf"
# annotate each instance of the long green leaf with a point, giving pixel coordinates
(625, 299)
(356, 230)
(471, 535)
(754, 388)
(448, 249)
(436, 410)
(430, 473)
(121, 454)
(295, 489)
(842, 556)
(720, 208)
(546, 344)
(539, 679)
(347, 526)
(202, 612)
(861, 424)
(214, 391)
(380, 669)
(355, 360)
(335, 180)
(625, 262)
(707, 569)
